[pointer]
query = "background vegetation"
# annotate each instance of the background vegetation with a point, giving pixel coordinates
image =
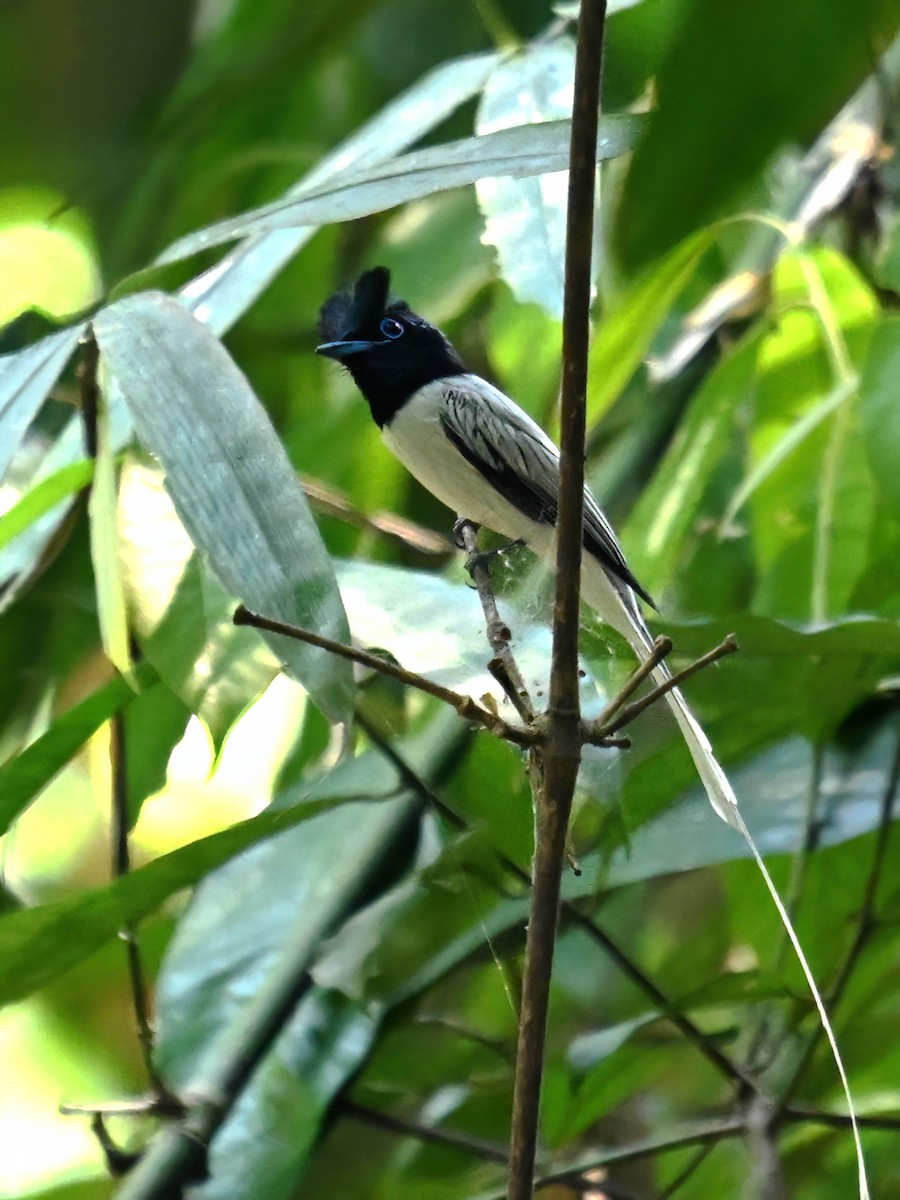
(744, 436)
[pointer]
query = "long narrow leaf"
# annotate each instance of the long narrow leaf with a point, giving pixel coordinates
(220, 295)
(229, 476)
(44, 497)
(39, 944)
(25, 379)
(108, 583)
(23, 777)
(627, 331)
(525, 150)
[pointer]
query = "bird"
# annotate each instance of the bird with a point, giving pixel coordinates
(478, 452)
(483, 456)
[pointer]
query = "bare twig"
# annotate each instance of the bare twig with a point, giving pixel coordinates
(118, 1162)
(630, 711)
(468, 709)
(478, 1147)
(832, 1120)
(708, 1131)
(662, 647)
(667, 1008)
(151, 1105)
(762, 1145)
(329, 500)
(561, 753)
(505, 669)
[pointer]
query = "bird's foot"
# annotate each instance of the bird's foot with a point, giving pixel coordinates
(458, 525)
(485, 558)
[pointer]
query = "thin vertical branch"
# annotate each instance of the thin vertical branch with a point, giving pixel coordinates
(706, 1045)
(88, 391)
(504, 668)
(121, 865)
(562, 752)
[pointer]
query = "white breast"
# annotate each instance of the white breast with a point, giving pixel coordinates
(416, 437)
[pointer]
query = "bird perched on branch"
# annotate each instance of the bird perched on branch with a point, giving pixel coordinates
(478, 452)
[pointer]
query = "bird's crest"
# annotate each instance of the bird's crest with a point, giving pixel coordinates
(352, 312)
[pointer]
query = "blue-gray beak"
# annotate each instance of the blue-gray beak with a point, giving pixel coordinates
(341, 350)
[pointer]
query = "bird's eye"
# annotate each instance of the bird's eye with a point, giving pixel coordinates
(391, 328)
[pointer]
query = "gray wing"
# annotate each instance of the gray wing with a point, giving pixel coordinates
(517, 458)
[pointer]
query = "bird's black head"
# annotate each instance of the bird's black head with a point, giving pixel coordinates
(389, 351)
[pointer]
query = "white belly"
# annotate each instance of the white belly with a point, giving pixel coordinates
(416, 437)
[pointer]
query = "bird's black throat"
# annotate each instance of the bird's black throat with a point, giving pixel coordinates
(389, 350)
(389, 378)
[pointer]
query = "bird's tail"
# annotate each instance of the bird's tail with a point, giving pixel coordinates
(619, 609)
(718, 789)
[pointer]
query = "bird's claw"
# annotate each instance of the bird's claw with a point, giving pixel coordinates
(458, 526)
(484, 558)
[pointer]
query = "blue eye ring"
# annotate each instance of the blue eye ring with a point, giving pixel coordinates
(391, 328)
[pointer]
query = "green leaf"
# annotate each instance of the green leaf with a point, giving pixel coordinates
(525, 219)
(263, 1147)
(44, 497)
(788, 681)
(436, 627)
(235, 933)
(23, 777)
(811, 504)
(526, 150)
(105, 549)
(230, 479)
(181, 615)
(39, 944)
(773, 790)
(155, 722)
(627, 330)
(666, 517)
(733, 87)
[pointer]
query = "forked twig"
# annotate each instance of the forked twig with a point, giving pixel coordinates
(504, 667)
(468, 709)
(630, 711)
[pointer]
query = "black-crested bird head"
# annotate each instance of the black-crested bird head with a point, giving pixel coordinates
(389, 351)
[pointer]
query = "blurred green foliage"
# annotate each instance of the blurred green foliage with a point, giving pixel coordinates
(743, 437)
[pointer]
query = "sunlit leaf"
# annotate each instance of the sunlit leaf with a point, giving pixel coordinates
(230, 479)
(23, 777)
(668, 512)
(527, 150)
(626, 331)
(525, 219)
(180, 613)
(105, 548)
(44, 497)
(39, 943)
(25, 379)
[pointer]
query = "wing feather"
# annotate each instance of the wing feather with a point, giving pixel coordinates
(516, 457)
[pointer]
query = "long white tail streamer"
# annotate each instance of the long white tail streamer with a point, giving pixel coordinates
(819, 1003)
(619, 609)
